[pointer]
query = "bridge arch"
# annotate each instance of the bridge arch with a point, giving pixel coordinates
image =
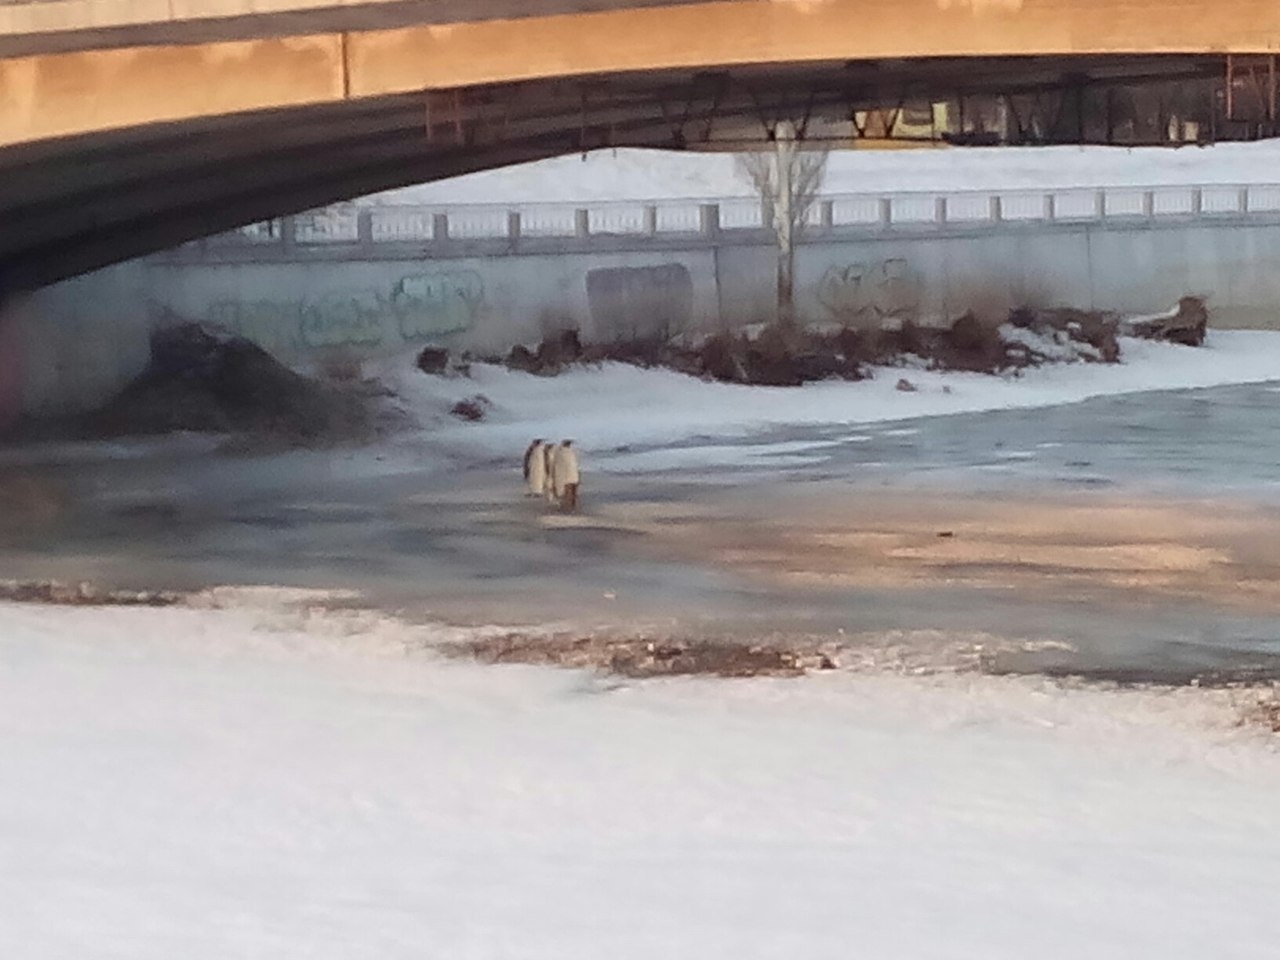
(112, 151)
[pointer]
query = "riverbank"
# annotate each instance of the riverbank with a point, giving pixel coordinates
(240, 781)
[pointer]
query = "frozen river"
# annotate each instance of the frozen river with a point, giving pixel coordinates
(672, 540)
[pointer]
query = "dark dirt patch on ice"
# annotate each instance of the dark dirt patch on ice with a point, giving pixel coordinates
(54, 593)
(642, 658)
(1264, 711)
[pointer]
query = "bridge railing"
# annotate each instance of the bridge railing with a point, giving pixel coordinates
(348, 224)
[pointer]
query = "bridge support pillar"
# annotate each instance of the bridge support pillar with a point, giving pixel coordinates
(440, 228)
(709, 219)
(288, 233)
(364, 229)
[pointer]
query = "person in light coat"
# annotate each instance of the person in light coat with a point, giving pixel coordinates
(549, 462)
(535, 468)
(567, 475)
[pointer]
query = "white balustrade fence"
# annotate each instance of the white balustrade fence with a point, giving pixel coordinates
(1264, 199)
(1172, 202)
(967, 207)
(392, 224)
(619, 219)
(855, 211)
(914, 208)
(547, 220)
(681, 218)
(1075, 204)
(742, 215)
(253, 234)
(477, 223)
(1222, 200)
(330, 225)
(349, 224)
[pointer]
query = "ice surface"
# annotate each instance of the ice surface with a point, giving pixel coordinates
(259, 783)
(616, 406)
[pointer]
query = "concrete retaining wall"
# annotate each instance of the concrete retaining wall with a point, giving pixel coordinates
(302, 310)
(72, 345)
(485, 296)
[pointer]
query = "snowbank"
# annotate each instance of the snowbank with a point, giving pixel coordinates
(630, 174)
(182, 783)
(615, 405)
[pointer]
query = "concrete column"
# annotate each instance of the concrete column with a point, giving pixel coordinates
(513, 225)
(827, 214)
(288, 233)
(1149, 203)
(886, 212)
(650, 220)
(940, 211)
(1050, 207)
(364, 229)
(1100, 205)
(709, 219)
(440, 228)
(1244, 200)
(581, 223)
(997, 208)
(1197, 202)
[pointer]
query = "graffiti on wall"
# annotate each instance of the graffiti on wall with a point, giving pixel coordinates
(871, 294)
(416, 308)
(639, 302)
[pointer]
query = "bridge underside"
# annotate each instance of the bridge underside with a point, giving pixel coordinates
(74, 204)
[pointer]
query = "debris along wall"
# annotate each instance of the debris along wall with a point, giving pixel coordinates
(313, 304)
(73, 345)
(306, 310)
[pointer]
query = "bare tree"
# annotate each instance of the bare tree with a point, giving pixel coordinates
(787, 178)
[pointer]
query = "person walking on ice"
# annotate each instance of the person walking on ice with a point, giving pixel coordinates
(549, 464)
(566, 474)
(535, 468)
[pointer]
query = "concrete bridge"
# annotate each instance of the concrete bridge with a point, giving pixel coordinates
(127, 126)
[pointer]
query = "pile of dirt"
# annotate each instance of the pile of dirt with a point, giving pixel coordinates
(553, 354)
(1186, 325)
(773, 355)
(472, 409)
(640, 658)
(84, 594)
(777, 356)
(205, 382)
(1264, 711)
(1062, 334)
(433, 360)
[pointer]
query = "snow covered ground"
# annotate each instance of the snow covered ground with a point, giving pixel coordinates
(616, 405)
(629, 174)
(248, 782)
